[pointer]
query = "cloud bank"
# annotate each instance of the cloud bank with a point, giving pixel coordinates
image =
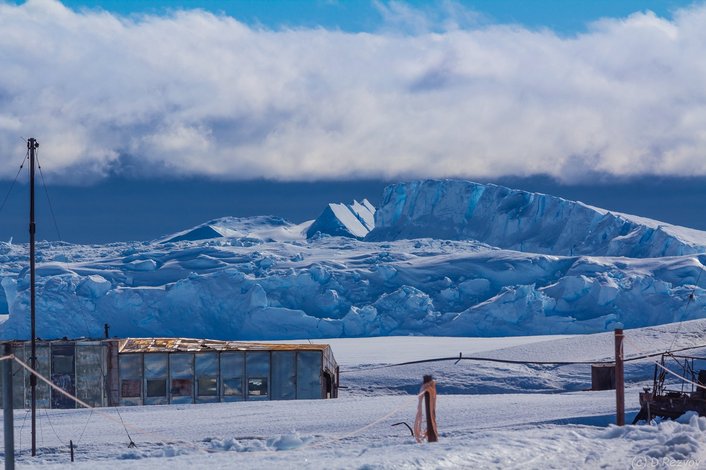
(197, 94)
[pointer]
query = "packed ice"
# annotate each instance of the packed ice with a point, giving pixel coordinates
(446, 258)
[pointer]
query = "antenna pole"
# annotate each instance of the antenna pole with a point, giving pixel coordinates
(32, 145)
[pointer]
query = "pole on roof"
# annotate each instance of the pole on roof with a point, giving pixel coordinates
(32, 145)
(619, 379)
(8, 416)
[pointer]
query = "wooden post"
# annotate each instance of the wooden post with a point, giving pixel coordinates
(9, 426)
(431, 416)
(619, 379)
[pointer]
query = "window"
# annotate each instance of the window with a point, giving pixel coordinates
(155, 365)
(130, 388)
(156, 388)
(283, 375)
(130, 371)
(62, 364)
(309, 374)
(207, 375)
(181, 387)
(155, 378)
(257, 367)
(233, 386)
(232, 371)
(257, 387)
(207, 386)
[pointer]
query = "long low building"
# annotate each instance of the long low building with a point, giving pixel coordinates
(160, 371)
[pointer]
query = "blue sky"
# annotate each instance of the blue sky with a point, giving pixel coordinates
(554, 96)
(566, 16)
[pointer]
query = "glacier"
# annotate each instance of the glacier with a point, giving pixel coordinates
(446, 258)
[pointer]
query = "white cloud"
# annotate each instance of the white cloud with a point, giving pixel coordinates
(195, 93)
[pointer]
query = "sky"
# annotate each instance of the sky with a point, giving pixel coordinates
(321, 94)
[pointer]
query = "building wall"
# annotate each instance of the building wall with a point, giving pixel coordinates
(76, 366)
(156, 378)
(99, 375)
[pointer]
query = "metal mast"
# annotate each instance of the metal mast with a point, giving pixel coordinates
(32, 145)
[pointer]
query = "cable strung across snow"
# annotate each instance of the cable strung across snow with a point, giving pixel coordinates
(514, 361)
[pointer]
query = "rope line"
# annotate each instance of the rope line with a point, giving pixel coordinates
(46, 413)
(46, 191)
(367, 426)
(100, 413)
(84, 427)
(686, 306)
(62, 249)
(2, 206)
(513, 361)
(669, 371)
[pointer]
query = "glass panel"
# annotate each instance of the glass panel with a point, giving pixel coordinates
(156, 388)
(155, 365)
(44, 393)
(62, 364)
(181, 365)
(257, 387)
(232, 372)
(284, 364)
(130, 372)
(206, 365)
(181, 368)
(63, 375)
(181, 387)
(207, 386)
(257, 367)
(130, 388)
(233, 386)
(130, 366)
(308, 374)
(89, 373)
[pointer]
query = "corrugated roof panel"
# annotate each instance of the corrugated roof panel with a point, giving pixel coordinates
(201, 345)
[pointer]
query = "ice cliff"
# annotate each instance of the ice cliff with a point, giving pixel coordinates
(523, 221)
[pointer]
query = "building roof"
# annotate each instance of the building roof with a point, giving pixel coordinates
(136, 345)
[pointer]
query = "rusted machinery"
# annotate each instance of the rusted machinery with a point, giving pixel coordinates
(673, 394)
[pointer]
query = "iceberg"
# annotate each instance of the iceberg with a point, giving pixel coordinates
(523, 221)
(344, 220)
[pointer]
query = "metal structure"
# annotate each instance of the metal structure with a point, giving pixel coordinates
(32, 146)
(670, 396)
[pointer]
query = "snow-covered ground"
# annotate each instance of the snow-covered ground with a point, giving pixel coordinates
(489, 415)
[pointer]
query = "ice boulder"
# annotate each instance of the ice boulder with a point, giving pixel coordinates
(345, 220)
(523, 221)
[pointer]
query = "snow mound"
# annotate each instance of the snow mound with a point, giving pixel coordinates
(345, 220)
(523, 221)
